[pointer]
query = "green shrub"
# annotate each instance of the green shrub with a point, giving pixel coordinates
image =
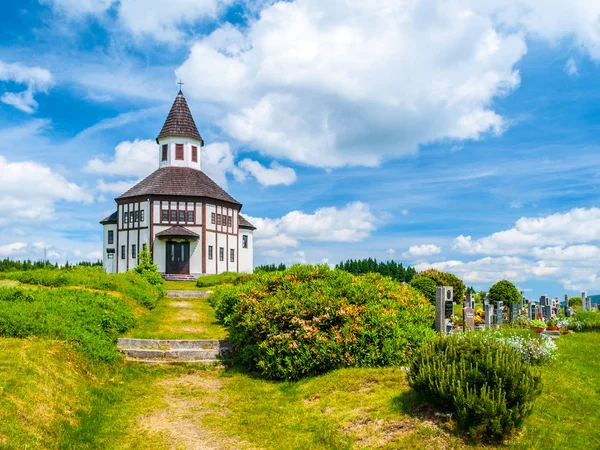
(92, 320)
(425, 286)
(504, 291)
(482, 381)
(130, 284)
(585, 321)
(311, 319)
(148, 270)
(575, 301)
(223, 278)
(445, 279)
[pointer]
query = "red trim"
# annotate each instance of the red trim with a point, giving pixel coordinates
(151, 237)
(194, 154)
(179, 152)
(204, 244)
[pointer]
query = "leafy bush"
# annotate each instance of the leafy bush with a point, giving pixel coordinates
(482, 381)
(425, 286)
(446, 279)
(504, 291)
(147, 269)
(92, 320)
(223, 278)
(311, 319)
(129, 284)
(585, 321)
(575, 301)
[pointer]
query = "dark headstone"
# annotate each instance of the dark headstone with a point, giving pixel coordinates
(514, 312)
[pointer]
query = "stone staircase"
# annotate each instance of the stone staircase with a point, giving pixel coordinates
(174, 277)
(168, 351)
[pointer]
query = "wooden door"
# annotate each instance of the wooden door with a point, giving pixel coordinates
(178, 257)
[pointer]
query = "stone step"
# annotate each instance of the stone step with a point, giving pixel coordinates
(174, 344)
(187, 294)
(163, 362)
(173, 355)
(175, 277)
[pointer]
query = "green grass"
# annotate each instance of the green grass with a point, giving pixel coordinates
(179, 318)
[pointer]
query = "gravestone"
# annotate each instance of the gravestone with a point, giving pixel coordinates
(514, 312)
(544, 300)
(588, 303)
(566, 303)
(499, 310)
(470, 302)
(531, 311)
(489, 315)
(443, 307)
(522, 301)
(547, 312)
(468, 319)
(583, 301)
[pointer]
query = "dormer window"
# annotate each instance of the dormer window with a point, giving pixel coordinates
(194, 153)
(179, 152)
(165, 152)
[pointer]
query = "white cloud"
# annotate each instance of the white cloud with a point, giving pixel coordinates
(353, 223)
(35, 78)
(516, 204)
(139, 158)
(275, 175)
(78, 8)
(117, 187)
(571, 67)
(579, 225)
(11, 250)
(328, 83)
(420, 251)
(29, 191)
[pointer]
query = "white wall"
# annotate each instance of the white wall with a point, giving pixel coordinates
(246, 255)
(109, 264)
(187, 153)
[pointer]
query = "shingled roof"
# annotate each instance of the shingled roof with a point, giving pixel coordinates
(178, 231)
(179, 181)
(110, 219)
(245, 224)
(180, 122)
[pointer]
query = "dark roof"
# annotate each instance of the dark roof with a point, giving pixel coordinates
(178, 231)
(244, 223)
(180, 122)
(110, 219)
(179, 181)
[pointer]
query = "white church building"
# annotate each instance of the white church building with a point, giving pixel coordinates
(190, 224)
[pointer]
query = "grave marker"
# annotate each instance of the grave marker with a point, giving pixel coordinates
(468, 319)
(547, 312)
(514, 312)
(443, 307)
(489, 315)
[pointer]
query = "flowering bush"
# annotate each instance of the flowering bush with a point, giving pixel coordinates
(533, 348)
(311, 319)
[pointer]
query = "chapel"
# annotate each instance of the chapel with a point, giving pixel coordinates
(189, 223)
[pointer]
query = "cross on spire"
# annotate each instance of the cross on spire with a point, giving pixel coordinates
(180, 84)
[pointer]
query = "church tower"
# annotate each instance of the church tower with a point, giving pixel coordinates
(179, 142)
(189, 223)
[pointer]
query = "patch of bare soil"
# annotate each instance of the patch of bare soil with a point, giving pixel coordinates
(187, 398)
(181, 304)
(192, 329)
(187, 315)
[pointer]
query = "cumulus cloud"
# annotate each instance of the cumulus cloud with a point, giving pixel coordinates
(352, 223)
(139, 158)
(561, 247)
(420, 251)
(34, 78)
(29, 191)
(571, 67)
(274, 175)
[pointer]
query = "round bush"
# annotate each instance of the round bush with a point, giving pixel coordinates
(575, 301)
(311, 319)
(445, 279)
(484, 382)
(425, 286)
(504, 291)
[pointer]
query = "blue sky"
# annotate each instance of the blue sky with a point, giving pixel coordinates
(438, 133)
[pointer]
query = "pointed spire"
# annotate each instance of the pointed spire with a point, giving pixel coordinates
(180, 122)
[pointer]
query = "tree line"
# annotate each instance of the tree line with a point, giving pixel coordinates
(389, 268)
(9, 265)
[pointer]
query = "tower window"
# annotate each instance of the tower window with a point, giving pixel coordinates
(111, 236)
(179, 152)
(165, 152)
(244, 241)
(231, 255)
(210, 252)
(221, 253)
(194, 153)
